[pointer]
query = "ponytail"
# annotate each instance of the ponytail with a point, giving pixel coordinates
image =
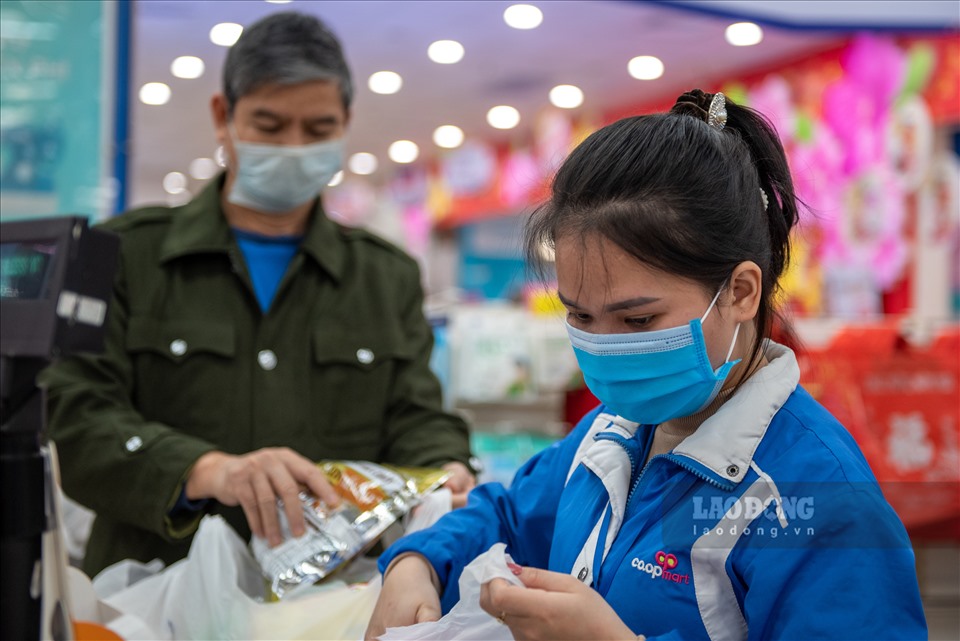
(765, 149)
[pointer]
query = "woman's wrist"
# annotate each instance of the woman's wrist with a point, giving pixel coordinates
(414, 563)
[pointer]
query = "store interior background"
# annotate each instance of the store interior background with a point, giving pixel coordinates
(865, 95)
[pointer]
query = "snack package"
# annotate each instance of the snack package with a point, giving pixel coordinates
(374, 497)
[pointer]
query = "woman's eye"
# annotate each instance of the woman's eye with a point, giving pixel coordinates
(578, 317)
(642, 321)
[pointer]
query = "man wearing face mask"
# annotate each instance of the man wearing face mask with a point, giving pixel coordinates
(250, 335)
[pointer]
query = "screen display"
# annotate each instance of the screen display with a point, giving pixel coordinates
(25, 268)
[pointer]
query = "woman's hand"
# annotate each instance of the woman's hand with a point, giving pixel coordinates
(255, 481)
(410, 594)
(552, 606)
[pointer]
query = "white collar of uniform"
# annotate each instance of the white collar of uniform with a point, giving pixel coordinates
(725, 442)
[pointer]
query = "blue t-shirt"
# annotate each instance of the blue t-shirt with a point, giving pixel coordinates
(267, 260)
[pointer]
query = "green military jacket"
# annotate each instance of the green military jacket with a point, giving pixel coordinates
(336, 369)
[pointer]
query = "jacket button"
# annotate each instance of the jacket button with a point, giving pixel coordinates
(178, 347)
(133, 443)
(733, 470)
(365, 356)
(267, 359)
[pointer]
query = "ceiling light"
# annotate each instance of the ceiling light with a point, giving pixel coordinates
(385, 82)
(225, 34)
(188, 67)
(645, 67)
(155, 93)
(523, 16)
(403, 151)
(279, 1)
(445, 52)
(448, 136)
(336, 180)
(566, 96)
(362, 163)
(503, 117)
(744, 34)
(203, 168)
(174, 183)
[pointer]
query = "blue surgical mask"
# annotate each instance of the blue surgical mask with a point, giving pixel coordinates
(276, 178)
(652, 377)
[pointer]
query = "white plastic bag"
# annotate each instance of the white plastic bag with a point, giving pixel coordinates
(215, 594)
(466, 621)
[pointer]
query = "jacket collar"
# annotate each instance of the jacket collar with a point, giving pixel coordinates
(722, 448)
(200, 227)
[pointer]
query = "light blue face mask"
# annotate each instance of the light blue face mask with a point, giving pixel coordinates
(276, 178)
(652, 377)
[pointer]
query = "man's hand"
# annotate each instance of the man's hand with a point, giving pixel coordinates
(552, 606)
(460, 483)
(255, 481)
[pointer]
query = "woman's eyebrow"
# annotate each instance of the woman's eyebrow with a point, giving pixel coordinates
(613, 307)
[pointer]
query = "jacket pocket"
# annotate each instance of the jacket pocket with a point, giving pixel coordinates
(355, 388)
(180, 340)
(184, 371)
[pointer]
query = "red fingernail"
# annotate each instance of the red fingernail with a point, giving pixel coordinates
(516, 569)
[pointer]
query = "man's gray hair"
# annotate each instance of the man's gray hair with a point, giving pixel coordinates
(285, 48)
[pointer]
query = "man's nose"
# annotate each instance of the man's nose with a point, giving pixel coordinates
(294, 136)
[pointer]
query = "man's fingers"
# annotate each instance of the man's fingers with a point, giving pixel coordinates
(267, 507)
(251, 510)
(312, 477)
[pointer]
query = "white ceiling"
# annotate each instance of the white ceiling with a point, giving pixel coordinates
(586, 43)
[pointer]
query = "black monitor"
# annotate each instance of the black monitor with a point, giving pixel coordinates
(56, 280)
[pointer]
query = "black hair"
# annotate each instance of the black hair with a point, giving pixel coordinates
(682, 196)
(285, 48)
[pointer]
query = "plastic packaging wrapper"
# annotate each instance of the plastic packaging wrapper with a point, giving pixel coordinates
(466, 621)
(374, 498)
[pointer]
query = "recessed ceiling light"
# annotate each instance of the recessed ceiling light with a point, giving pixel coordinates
(362, 163)
(385, 82)
(503, 117)
(174, 183)
(155, 93)
(744, 34)
(203, 168)
(336, 180)
(523, 16)
(645, 67)
(225, 34)
(566, 96)
(188, 67)
(403, 151)
(445, 52)
(448, 136)
(279, 1)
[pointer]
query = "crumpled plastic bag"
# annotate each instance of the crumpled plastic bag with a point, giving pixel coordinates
(217, 593)
(466, 621)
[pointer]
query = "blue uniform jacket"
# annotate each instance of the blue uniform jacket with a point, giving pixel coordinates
(766, 523)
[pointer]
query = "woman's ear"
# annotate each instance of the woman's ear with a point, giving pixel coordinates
(746, 283)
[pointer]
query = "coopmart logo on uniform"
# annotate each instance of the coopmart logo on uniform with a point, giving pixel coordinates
(662, 568)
